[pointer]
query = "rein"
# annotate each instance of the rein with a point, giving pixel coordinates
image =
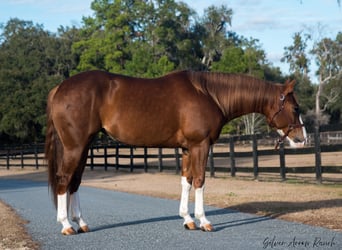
(291, 126)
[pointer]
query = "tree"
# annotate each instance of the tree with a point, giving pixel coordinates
(232, 61)
(296, 55)
(245, 56)
(215, 22)
(141, 38)
(254, 57)
(105, 37)
(328, 56)
(32, 61)
(167, 38)
(59, 52)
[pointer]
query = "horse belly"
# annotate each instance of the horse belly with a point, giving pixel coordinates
(142, 128)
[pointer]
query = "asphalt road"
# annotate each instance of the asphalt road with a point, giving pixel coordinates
(128, 221)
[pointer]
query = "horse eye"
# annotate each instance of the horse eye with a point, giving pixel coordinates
(296, 109)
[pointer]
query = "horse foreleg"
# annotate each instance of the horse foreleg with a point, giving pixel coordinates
(76, 213)
(184, 202)
(205, 224)
(62, 214)
(199, 157)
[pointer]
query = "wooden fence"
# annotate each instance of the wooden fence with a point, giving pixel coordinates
(238, 154)
(25, 155)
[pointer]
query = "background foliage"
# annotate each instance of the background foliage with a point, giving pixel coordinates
(147, 39)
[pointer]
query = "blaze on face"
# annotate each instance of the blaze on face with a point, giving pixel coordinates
(287, 119)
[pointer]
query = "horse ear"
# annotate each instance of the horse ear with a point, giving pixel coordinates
(289, 86)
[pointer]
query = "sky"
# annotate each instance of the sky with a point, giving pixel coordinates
(272, 22)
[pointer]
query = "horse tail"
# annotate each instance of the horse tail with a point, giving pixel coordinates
(53, 148)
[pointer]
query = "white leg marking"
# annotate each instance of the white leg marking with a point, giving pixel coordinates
(199, 210)
(62, 210)
(183, 208)
(76, 213)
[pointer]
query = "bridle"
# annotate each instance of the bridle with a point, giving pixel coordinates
(291, 126)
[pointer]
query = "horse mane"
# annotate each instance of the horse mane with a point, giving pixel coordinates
(231, 91)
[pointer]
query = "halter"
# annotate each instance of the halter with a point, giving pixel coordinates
(291, 126)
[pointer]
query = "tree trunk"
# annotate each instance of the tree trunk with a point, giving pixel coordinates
(318, 162)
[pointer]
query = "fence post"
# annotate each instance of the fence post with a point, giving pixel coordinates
(131, 158)
(318, 161)
(22, 156)
(211, 161)
(255, 156)
(160, 159)
(8, 158)
(36, 155)
(105, 156)
(145, 160)
(282, 162)
(177, 160)
(117, 155)
(232, 157)
(91, 157)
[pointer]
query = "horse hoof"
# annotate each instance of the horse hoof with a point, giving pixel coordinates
(207, 228)
(69, 231)
(190, 226)
(83, 229)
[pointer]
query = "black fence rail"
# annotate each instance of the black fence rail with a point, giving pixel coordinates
(24, 155)
(252, 154)
(116, 155)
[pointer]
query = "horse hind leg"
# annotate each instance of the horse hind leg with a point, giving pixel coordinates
(65, 176)
(76, 213)
(62, 214)
(74, 198)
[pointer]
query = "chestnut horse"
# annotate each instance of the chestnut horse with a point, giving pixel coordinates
(182, 109)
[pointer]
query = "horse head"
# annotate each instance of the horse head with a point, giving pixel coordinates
(286, 118)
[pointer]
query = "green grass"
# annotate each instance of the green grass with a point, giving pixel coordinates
(231, 194)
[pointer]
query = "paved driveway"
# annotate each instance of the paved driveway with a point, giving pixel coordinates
(127, 221)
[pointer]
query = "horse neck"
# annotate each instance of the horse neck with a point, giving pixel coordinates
(238, 95)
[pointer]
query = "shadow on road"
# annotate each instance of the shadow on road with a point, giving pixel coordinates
(218, 226)
(276, 209)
